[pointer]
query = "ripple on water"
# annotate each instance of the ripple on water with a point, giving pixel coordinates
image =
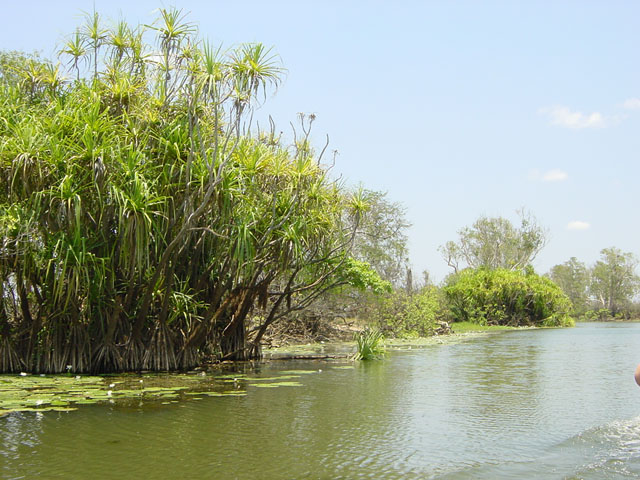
(614, 448)
(509, 406)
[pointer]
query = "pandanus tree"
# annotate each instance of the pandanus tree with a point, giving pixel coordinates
(143, 219)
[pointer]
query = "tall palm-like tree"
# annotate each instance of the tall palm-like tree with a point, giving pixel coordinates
(143, 222)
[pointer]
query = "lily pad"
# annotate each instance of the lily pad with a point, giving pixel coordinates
(42, 393)
(229, 393)
(270, 379)
(276, 384)
(298, 372)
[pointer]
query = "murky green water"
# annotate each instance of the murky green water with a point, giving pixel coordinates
(544, 404)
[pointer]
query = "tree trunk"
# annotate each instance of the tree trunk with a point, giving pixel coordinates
(233, 343)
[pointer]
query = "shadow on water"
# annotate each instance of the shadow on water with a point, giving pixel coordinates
(544, 404)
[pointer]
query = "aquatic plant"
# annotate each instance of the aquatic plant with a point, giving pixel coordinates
(369, 344)
(40, 393)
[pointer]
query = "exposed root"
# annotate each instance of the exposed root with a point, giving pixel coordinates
(79, 350)
(107, 358)
(160, 354)
(53, 352)
(132, 355)
(9, 359)
(189, 358)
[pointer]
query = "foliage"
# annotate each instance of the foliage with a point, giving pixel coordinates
(12, 67)
(573, 278)
(410, 315)
(362, 276)
(496, 243)
(369, 344)
(469, 327)
(506, 297)
(381, 238)
(614, 281)
(142, 219)
(604, 315)
(377, 263)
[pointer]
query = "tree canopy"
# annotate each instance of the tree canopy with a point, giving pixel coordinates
(606, 289)
(573, 278)
(496, 243)
(613, 279)
(143, 218)
(381, 238)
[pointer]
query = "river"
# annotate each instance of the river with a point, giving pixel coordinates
(543, 404)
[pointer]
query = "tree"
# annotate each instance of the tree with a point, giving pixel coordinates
(572, 277)
(409, 315)
(496, 243)
(378, 262)
(142, 219)
(613, 279)
(381, 238)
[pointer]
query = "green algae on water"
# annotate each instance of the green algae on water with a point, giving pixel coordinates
(276, 384)
(42, 393)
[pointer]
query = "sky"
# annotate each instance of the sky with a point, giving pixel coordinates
(456, 109)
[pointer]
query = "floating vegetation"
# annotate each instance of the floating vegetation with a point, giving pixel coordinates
(276, 384)
(41, 393)
(232, 376)
(298, 372)
(270, 379)
(233, 393)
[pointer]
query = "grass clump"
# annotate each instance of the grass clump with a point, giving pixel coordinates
(370, 344)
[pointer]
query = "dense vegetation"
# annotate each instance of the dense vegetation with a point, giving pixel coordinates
(147, 223)
(507, 297)
(605, 290)
(144, 220)
(492, 284)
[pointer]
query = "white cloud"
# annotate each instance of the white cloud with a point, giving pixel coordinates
(563, 117)
(632, 104)
(578, 225)
(555, 175)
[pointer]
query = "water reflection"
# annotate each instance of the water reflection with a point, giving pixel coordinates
(533, 404)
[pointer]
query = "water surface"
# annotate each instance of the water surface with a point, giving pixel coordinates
(544, 404)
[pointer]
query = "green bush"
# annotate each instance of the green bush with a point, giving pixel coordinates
(506, 297)
(408, 316)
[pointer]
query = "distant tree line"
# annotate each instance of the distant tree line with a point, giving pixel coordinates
(607, 289)
(492, 282)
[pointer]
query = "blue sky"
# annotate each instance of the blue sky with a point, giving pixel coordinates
(457, 109)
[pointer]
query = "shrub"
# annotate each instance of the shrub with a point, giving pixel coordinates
(410, 315)
(507, 297)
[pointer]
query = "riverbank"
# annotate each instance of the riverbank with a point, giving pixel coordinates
(337, 348)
